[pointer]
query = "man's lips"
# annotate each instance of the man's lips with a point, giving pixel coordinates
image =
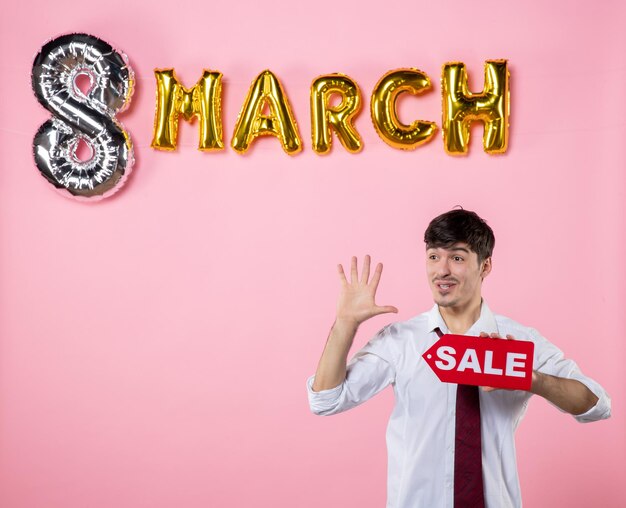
(445, 285)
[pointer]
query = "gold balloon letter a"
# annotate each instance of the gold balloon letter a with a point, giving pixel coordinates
(385, 117)
(266, 91)
(203, 101)
(461, 107)
(340, 117)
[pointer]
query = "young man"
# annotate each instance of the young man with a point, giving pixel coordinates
(448, 445)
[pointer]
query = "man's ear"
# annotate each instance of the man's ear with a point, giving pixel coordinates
(486, 268)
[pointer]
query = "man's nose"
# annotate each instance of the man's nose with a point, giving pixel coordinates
(443, 268)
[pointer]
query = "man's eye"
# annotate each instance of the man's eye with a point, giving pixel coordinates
(458, 258)
(432, 256)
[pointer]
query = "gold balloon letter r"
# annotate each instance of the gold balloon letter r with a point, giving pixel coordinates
(340, 117)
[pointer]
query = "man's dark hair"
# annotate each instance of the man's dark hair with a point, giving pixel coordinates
(461, 226)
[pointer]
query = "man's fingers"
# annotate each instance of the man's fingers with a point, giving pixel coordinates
(376, 277)
(496, 335)
(365, 275)
(354, 276)
(342, 276)
(366, 270)
(382, 309)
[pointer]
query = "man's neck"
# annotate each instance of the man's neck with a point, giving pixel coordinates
(460, 320)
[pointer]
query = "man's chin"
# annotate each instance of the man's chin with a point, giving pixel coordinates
(444, 302)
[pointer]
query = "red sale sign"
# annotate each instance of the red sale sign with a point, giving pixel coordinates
(479, 361)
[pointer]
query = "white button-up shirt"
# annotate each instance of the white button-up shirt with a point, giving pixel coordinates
(420, 434)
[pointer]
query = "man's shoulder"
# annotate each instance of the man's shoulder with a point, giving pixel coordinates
(399, 334)
(394, 339)
(509, 326)
(411, 325)
(401, 330)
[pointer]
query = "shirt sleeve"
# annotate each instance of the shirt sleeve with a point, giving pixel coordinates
(367, 373)
(550, 360)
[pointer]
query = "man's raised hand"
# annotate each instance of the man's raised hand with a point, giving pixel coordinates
(357, 297)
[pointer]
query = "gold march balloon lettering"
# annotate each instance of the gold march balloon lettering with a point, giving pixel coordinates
(266, 111)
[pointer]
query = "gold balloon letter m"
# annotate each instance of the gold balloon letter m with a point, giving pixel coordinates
(461, 107)
(203, 101)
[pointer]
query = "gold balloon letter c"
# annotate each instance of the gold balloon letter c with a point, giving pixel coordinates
(384, 114)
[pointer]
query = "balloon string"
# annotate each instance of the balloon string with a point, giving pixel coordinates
(605, 127)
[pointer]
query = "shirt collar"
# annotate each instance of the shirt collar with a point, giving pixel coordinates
(485, 323)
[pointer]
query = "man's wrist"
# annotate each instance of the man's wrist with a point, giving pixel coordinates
(537, 382)
(343, 332)
(346, 324)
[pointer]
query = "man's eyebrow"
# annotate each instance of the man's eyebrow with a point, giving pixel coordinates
(464, 249)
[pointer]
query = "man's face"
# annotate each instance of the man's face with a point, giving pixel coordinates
(454, 275)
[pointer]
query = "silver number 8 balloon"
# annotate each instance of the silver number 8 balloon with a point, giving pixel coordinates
(83, 115)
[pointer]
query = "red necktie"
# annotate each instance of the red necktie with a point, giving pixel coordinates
(468, 465)
(468, 470)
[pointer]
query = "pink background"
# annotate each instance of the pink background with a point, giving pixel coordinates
(154, 346)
